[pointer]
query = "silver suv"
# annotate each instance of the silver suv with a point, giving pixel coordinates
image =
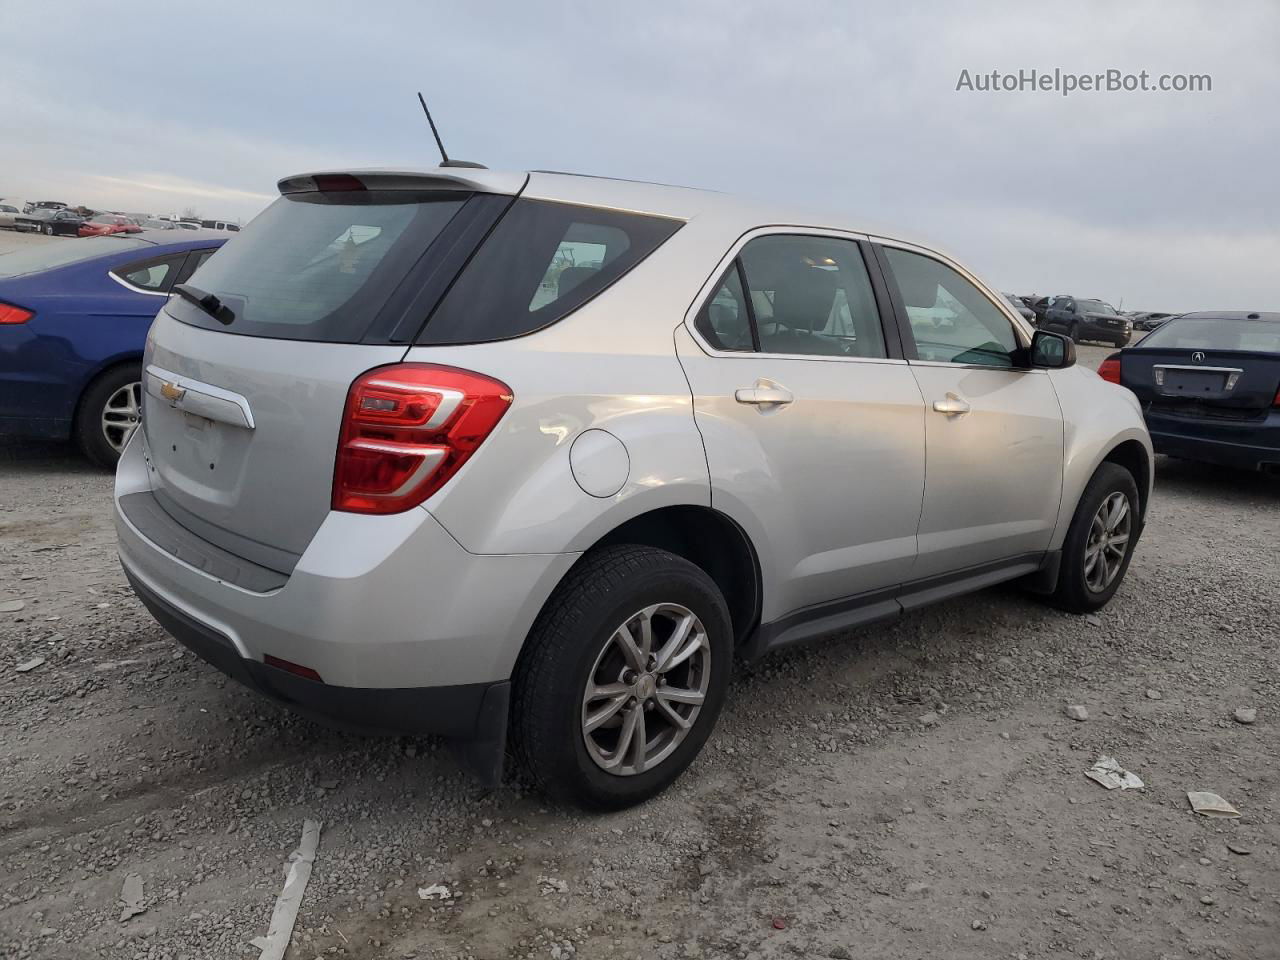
(528, 460)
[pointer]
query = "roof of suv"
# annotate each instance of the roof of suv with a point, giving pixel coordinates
(658, 199)
(1229, 315)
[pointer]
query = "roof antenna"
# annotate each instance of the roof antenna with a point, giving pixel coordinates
(444, 157)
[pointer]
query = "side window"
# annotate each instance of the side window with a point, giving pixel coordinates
(154, 276)
(194, 260)
(952, 320)
(723, 320)
(541, 262)
(812, 296)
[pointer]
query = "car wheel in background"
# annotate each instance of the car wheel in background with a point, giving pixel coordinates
(1100, 541)
(110, 410)
(622, 677)
(48, 230)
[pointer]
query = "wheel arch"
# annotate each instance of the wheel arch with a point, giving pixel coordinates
(710, 540)
(1133, 456)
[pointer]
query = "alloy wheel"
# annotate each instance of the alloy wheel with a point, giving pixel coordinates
(646, 689)
(121, 415)
(1108, 542)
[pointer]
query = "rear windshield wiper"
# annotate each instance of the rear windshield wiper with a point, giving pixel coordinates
(207, 302)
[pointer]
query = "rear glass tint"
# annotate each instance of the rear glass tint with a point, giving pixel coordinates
(1210, 334)
(319, 266)
(542, 261)
(50, 255)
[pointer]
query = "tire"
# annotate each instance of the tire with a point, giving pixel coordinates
(1075, 592)
(92, 438)
(573, 643)
(48, 230)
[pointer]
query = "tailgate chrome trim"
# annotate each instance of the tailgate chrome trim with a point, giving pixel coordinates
(197, 398)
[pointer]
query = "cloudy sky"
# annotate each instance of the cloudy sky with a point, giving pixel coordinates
(1162, 200)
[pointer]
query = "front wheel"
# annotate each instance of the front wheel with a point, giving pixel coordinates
(622, 678)
(48, 230)
(1100, 541)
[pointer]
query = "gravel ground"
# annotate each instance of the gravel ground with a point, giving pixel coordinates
(911, 790)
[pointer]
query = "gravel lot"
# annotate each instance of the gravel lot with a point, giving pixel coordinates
(911, 790)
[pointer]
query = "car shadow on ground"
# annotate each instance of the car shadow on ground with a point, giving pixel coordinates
(18, 453)
(1224, 483)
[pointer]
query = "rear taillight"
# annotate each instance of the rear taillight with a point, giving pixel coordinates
(1276, 401)
(10, 314)
(1109, 369)
(407, 429)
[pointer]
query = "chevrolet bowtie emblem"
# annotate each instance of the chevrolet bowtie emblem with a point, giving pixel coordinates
(172, 392)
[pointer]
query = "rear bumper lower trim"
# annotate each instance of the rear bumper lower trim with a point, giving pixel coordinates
(473, 711)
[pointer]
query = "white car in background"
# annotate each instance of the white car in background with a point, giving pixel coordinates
(9, 209)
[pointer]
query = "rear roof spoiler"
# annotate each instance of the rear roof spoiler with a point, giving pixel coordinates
(469, 179)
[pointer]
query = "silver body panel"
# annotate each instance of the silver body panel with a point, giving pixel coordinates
(857, 485)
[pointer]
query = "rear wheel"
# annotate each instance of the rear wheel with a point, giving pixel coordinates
(110, 411)
(1100, 541)
(622, 678)
(48, 230)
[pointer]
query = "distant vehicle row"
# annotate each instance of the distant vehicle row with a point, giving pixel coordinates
(54, 218)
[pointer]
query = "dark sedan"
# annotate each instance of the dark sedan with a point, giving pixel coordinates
(1087, 320)
(1149, 321)
(1209, 384)
(53, 223)
(1020, 305)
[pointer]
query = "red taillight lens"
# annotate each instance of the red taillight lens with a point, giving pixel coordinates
(1109, 369)
(295, 668)
(407, 429)
(1276, 401)
(11, 314)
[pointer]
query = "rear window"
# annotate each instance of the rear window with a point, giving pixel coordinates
(319, 266)
(542, 261)
(1210, 334)
(48, 256)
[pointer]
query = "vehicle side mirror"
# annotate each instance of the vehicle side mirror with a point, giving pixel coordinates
(1052, 351)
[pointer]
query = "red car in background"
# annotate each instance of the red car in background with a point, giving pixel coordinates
(105, 223)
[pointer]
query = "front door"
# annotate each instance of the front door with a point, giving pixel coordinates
(993, 427)
(812, 422)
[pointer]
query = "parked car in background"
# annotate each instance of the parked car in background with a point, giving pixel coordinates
(51, 222)
(1041, 305)
(154, 223)
(8, 214)
(1149, 321)
(1087, 320)
(676, 438)
(73, 320)
(188, 225)
(45, 205)
(1209, 384)
(1024, 311)
(106, 223)
(220, 225)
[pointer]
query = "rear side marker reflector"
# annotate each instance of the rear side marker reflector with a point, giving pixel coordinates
(407, 429)
(9, 314)
(289, 666)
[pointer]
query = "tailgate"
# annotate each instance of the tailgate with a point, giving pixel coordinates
(242, 433)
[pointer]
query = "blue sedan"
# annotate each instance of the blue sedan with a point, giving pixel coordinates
(74, 317)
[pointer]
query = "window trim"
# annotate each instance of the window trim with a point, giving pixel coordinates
(709, 288)
(170, 279)
(1021, 330)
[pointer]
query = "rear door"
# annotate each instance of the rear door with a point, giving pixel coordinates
(812, 422)
(243, 403)
(993, 428)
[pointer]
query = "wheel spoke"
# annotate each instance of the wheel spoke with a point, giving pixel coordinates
(670, 713)
(677, 650)
(630, 649)
(680, 695)
(640, 739)
(1119, 510)
(627, 735)
(616, 694)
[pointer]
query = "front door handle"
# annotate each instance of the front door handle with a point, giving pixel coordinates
(764, 393)
(952, 406)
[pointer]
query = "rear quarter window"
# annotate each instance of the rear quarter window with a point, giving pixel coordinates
(541, 262)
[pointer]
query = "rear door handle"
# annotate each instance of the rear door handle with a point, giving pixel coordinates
(952, 405)
(764, 393)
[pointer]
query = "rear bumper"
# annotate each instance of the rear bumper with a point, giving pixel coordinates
(408, 631)
(1253, 445)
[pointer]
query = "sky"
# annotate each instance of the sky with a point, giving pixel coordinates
(1153, 200)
